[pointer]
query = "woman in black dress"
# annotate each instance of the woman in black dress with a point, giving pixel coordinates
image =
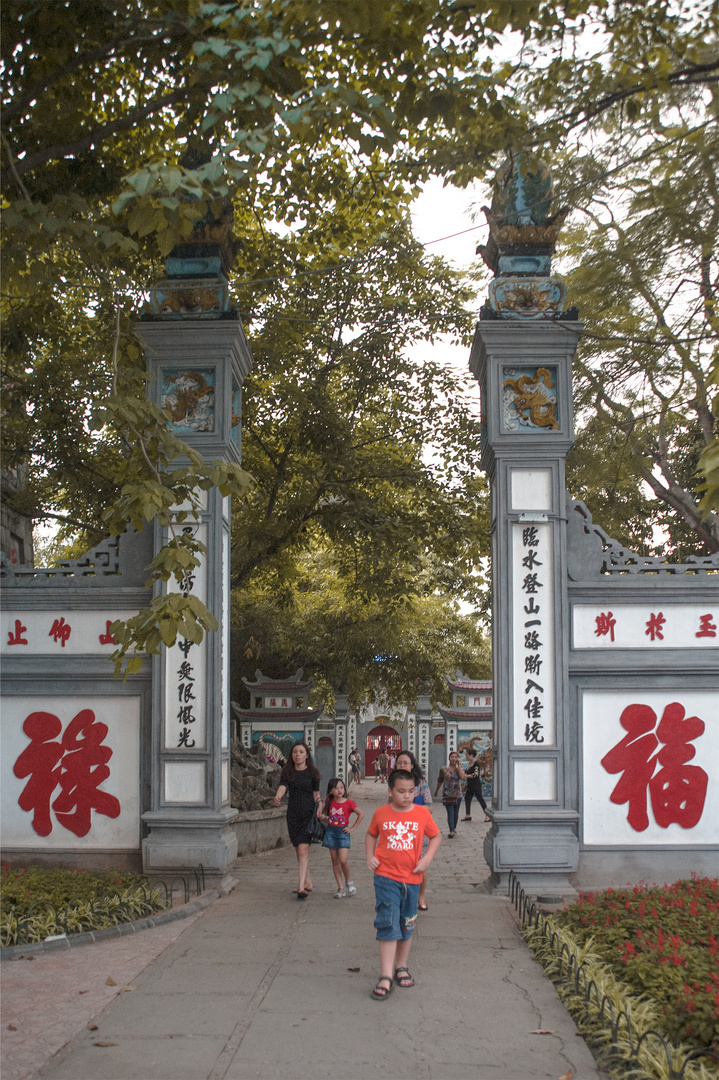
(300, 777)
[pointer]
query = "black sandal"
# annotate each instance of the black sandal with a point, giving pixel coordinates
(379, 993)
(406, 980)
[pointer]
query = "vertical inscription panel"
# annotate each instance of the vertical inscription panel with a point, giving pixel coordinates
(533, 647)
(186, 669)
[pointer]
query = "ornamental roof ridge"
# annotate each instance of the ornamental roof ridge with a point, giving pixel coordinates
(276, 714)
(264, 682)
(480, 712)
(469, 684)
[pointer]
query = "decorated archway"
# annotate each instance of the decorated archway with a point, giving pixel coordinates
(382, 737)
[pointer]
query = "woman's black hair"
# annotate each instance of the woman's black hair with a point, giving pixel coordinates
(288, 769)
(417, 773)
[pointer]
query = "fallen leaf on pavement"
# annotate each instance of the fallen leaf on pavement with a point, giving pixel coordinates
(543, 1031)
(353, 969)
(101, 1042)
(126, 989)
(82, 991)
(92, 1027)
(568, 1075)
(109, 981)
(12, 1027)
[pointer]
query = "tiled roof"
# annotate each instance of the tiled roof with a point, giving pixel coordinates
(470, 684)
(483, 713)
(302, 715)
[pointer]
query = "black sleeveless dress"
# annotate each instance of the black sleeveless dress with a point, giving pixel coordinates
(300, 806)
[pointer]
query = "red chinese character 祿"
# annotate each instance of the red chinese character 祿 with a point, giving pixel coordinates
(77, 763)
(677, 791)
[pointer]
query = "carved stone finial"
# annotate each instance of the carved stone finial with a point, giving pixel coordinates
(522, 235)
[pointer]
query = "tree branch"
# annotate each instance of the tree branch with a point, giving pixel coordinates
(123, 123)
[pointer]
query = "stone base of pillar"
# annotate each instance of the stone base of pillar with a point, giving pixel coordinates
(181, 840)
(541, 847)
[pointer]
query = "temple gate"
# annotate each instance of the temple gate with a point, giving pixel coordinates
(606, 666)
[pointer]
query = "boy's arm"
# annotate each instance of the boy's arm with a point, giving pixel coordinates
(370, 844)
(430, 853)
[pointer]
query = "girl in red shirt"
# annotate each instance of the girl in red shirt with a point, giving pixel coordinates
(338, 810)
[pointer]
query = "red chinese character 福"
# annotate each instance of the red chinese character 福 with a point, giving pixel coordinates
(654, 626)
(677, 791)
(60, 631)
(78, 763)
(706, 627)
(17, 638)
(605, 625)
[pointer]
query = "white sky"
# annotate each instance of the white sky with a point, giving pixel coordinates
(441, 212)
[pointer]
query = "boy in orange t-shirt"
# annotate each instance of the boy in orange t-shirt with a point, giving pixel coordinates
(394, 853)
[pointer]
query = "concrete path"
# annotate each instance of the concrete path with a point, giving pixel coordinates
(262, 985)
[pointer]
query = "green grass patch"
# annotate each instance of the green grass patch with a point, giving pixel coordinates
(36, 903)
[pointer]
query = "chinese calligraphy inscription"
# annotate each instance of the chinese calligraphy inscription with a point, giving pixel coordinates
(533, 653)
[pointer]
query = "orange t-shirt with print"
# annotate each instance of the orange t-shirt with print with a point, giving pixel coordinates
(400, 833)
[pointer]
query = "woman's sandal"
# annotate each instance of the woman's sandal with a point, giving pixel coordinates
(406, 980)
(381, 993)
(422, 907)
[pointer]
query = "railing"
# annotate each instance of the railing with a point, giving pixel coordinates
(576, 974)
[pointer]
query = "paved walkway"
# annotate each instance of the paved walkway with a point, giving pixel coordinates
(261, 985)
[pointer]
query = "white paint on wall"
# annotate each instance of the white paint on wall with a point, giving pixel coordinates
(185, 782)
(531, 489)
(535, 781)
(58, 631)
(643, 626)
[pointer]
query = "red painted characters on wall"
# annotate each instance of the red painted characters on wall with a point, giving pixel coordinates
(653, 760)
(76, 761)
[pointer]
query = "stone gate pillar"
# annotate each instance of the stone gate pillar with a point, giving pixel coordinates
(197, 357)
(522, 357)
(342, 747)
(424, 732)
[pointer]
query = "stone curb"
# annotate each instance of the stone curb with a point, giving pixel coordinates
(12, 952)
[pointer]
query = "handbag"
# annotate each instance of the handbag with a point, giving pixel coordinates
(316, 828)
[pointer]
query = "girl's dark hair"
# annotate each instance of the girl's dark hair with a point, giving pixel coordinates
(288, 769)
(417, 773)
(333, 784)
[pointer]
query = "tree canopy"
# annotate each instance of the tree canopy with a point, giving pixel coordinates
(125, 123)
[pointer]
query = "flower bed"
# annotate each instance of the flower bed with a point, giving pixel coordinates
(39, 903)
(663, 943)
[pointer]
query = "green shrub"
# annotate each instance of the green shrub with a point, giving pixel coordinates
(596, 998)
(37, 903)
(662, 942)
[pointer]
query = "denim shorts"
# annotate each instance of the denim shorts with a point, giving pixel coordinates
(336, 837)
(395, 907)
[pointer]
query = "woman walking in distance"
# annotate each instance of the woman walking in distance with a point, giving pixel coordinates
(474, 786)
(449, 779)
(300, 777)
